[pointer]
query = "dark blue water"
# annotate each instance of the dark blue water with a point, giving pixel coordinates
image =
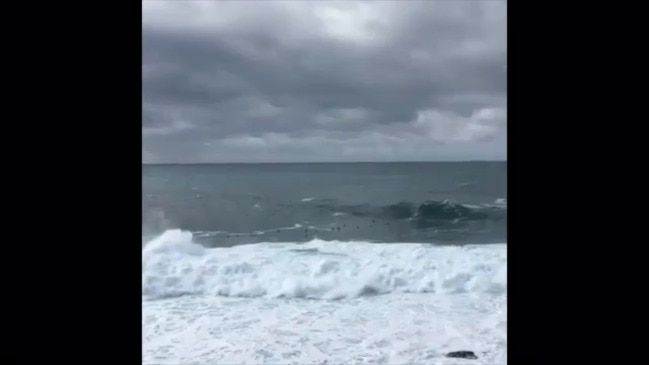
(445, 203)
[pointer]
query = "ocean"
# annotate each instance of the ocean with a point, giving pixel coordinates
(389, 263)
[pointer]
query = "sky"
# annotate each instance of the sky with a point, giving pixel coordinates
(323, 81)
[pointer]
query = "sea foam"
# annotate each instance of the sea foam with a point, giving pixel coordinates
(173, 265)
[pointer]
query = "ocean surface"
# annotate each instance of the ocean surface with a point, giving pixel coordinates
(389, 263)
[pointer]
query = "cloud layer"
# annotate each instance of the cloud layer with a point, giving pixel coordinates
(282, 81)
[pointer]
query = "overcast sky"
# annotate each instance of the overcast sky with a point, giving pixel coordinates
(317, 81)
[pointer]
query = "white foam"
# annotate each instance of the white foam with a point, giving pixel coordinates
(400, 329)
(250, 303)
(173, 265)
(308, 199)
(471, 206)
(498, 203)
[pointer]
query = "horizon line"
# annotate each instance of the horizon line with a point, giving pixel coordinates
(311, 162)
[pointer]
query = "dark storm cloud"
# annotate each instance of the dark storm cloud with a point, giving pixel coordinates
(251, 81)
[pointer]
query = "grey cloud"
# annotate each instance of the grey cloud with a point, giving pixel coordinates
(255, 81)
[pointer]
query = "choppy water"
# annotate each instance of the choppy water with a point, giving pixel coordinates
(393, 202)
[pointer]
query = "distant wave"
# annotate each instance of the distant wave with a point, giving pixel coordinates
(376, 222)
(428, 211)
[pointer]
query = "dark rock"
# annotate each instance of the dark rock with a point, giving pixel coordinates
(462, 355)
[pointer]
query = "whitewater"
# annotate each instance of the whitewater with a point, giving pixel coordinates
(322, 302)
